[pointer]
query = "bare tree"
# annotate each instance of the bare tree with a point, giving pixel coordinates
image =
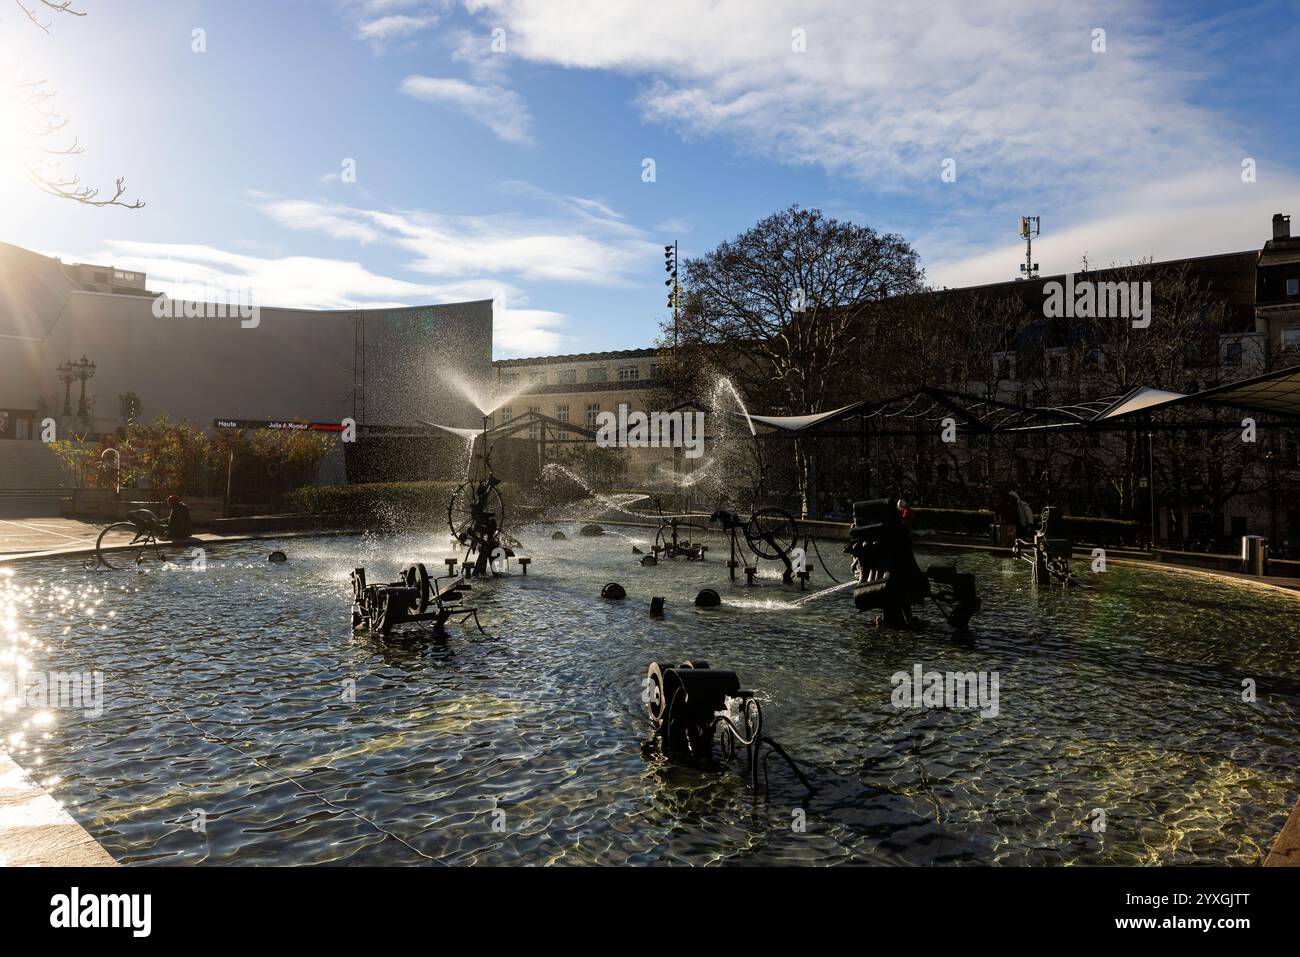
(41, 151)
(781, 308)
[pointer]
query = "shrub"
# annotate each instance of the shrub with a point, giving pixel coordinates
(970, 521)
(389, 504)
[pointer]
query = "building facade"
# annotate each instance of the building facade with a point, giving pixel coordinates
(577, 388)
(83, 345)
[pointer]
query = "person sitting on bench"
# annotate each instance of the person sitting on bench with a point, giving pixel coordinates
(179, 525)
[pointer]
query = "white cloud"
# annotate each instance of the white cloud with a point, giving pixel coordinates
(883, 94)
(526, 332)
(577, 241)
(382, 29)
(381, 22)
(197, 271)
(501, 110)
(209, 274)
(1202, 213)
(1108, 147)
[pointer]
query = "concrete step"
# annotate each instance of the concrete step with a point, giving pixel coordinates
(30, 465)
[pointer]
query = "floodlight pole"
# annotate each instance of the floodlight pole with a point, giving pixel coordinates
(1151, 482)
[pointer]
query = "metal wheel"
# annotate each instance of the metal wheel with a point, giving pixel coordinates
(771, 533)
(417, 576)
(469, 503)
(132, 556)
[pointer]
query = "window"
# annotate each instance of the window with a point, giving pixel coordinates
(593, 410)
(655, 371)
(534, 427)
(1290, 339)
(537, 377)
(600, 374)
(1004, 367)
(1232, 354)
(567, 376)
(562, 415)
(504, 415)
(510, 377)
(629, 373)
(1293, 287)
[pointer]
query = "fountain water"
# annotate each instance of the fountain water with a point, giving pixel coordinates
(487, 399)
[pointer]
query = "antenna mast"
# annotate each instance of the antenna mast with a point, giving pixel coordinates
(1028, 230)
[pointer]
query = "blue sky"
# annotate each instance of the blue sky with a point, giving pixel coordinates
(517, 174)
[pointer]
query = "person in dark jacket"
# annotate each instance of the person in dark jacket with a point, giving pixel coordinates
(179, 524)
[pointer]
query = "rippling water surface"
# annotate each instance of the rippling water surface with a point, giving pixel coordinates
(227, 700)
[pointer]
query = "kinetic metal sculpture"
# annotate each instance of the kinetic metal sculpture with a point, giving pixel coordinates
(687, 703)
(476, 517)
(889, 578)
(1049, 557)
(414, 598)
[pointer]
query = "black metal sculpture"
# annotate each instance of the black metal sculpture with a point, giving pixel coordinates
(889, 579)
(1049, 557)
(669, 544)
(414, 598)
(476, 517)
(688, 703)
(770, 533)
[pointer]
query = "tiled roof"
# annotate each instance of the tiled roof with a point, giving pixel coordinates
(579, 357)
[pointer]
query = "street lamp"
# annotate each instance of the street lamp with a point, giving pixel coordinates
(67, 375)
(85, 369)
(1270, 463)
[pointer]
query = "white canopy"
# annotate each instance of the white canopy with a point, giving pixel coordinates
(798, 423)
(1140, 399)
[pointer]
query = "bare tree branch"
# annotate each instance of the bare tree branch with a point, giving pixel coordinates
(64, 7)
(42, 121)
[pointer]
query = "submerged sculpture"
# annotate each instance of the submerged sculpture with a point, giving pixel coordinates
(689, 702)
(668, 544)
(415, 598)
(770, 533)
(889, 579)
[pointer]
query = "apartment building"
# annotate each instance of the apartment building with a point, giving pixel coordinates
(577, 388)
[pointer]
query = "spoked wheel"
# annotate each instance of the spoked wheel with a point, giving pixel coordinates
(417, 576)
(463, 516)
(128, 557)
(771, 533)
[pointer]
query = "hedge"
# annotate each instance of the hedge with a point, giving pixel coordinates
(393, 504)
(971, 521)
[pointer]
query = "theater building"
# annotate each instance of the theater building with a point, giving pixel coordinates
(77, 339)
